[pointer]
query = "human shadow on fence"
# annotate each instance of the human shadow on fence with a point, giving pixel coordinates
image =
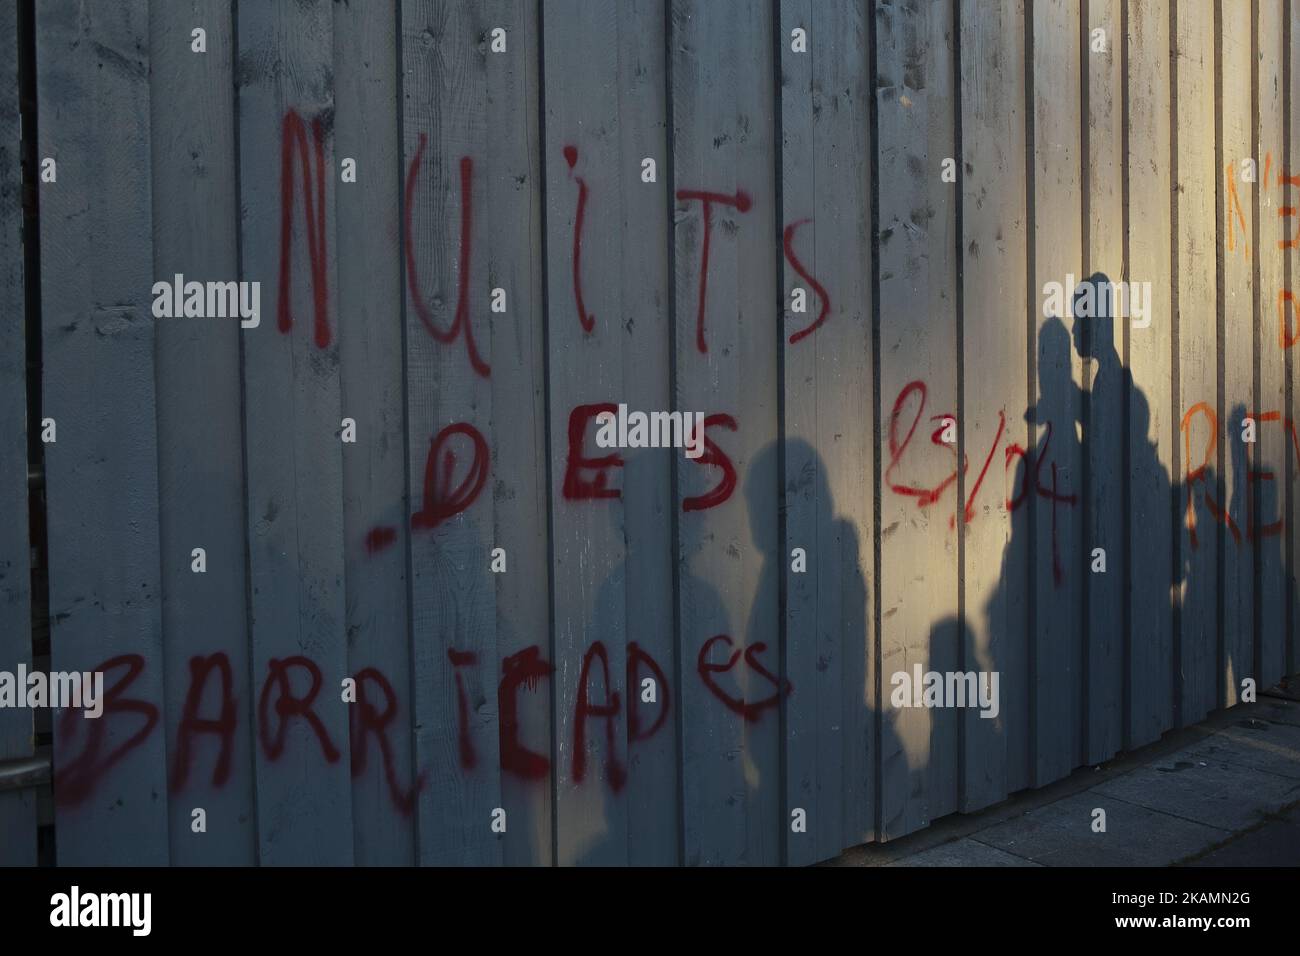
(831, 751)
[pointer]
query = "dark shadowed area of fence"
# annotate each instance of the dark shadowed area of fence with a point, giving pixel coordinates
(363, 585)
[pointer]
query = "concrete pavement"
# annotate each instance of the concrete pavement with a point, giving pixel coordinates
(1223, 793)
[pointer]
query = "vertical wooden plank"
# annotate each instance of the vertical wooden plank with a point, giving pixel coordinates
(514, 263)
(918, 389)
(102, 473)
(1103, 494)
(826, 209)
(450, 417)
(1236, 334)
(1268, 512)
(995, 391)
(1291, 227)
(586, 176)
(17, 809)
(292, 416)
(1152, 423)
(1056, 482)
(368, 230)
(607, 268)
(1200, 428)
(200, 443)
(729, 566)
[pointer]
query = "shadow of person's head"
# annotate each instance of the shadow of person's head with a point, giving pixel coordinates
(1094, 317)
(807, 489)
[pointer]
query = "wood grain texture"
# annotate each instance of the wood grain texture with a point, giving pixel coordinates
(512, 217)
(1153, 421)
(995, 393)
(1201, 435)
(729, 564)
(1056, 458)
(375, 494)
(826, 230)
(1102, 498)
(613, 590)
(292, 427)
(1290, 195)
(201, 468)
(1239, 249)
(99, 386)
(445, 119)
(17, 729)
(919, 566)
(1268, 460)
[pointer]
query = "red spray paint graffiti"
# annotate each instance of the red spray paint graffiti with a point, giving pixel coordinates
(461, 322)
(585, 318)
(191, 723)
(365, 721)
(578, 487)
(1199, 476)
(635, 658)
(76, 778)
(294, 136)
(741, 202)
(288, 704)
(520, 670)
(787, 243)
(915, 392)
(292, 690)
(716, 458)
(615, 772)
(441, 499)
(750, 710)
(1235, 219)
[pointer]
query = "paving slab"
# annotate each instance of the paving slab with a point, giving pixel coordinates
(966, 852)
(1272, 709)
(1276, 843)
(1258, 744)
(1061, 834)
(1206, 787)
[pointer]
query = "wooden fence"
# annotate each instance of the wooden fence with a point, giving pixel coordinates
(828, 226)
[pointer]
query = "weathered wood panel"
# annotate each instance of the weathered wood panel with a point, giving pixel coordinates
(368, 230)
(474, 226)
(1152, 417)
(17, 730)
(1055, 459)
(1201, 434)
(919, 623)
(828, 474)
(588, 173)
(446, 114)
(519, 494)
(200, 442)
(730, 566)
(1291, 199)
(1269, 456)
(99, 388)
(995, 394)
(1238, 185)
(1103, 503)
(293, 430)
